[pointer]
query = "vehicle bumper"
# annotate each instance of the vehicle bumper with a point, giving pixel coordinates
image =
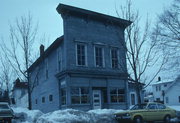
(125, 119)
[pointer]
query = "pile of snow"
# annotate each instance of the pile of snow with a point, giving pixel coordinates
(65, 116)
(76, 116)
(23, 115)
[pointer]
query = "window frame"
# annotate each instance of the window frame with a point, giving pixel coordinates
(46, 68)
(95, 60)
(85, 53)
(80, 95)
(50, 98)
(43, 100)
(111, 59)
(117, 95)
(59, 59)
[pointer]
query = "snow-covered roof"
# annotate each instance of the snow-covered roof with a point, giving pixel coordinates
(163, 82)
(174, 82)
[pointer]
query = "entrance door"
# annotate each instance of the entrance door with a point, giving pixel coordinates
(133, 98)
(96, 99)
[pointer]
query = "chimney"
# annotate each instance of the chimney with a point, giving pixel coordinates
(41, 49)
(159, 79)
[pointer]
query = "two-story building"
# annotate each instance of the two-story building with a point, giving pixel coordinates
(86, 67)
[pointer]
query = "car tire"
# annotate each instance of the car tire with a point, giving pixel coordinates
(138, 119)
(167, 119)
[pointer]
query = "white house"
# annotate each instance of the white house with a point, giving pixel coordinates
(172, 93)
(19, 95)
(159, 88)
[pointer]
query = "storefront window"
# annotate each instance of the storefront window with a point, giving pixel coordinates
(79, 95)
(117, 95)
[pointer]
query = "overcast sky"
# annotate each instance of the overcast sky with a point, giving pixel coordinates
(50, 22)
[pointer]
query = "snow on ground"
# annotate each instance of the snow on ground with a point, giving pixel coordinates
(65, 116)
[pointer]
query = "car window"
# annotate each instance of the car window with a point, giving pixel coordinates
(139, 106)
(152, 106)
(4, 107)
(161, 106)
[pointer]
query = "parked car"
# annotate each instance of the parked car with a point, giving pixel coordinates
(148, 112)
(6, 113)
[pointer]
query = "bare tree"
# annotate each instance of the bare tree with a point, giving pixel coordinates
(141, 56)
(19, 53)
(167, 34)
(6, 75)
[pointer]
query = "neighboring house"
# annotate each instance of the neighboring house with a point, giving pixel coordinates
(19, 96)
(159, 89)
(133, 97)
(172, 93)
(86, 67)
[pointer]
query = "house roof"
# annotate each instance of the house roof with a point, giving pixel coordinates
(174, 83)
(66, 9)
(19, 84)
(51, 48)
(162, 82)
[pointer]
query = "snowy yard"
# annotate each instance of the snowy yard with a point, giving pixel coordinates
(65, 116)
(68, 116)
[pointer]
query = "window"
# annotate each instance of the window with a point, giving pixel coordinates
(165, 85)
(117, 95)
(156, 88)
(81, 55)
(59, 59)
(167, 100)
(161, 106)
(50, 98)
(99, 56)
(152, 106)
(79, 95)
(36, 101)
(179, 99)
(43, 99)
(63, 96)
(114, 58)
(46, 69)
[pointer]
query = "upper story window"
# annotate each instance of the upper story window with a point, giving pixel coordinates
(98, 56)
(81, 54)
(114, 58)
(46, 69)
(59, 59)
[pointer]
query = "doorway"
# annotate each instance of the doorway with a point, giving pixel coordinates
(97, 99)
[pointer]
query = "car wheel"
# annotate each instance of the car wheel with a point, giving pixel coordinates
(138, 119)
(167, 119)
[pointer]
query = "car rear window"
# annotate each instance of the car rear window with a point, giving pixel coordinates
(4, 107)
(161, 106)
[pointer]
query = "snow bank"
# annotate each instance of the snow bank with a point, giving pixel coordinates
(24, 115)
(76, 116)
